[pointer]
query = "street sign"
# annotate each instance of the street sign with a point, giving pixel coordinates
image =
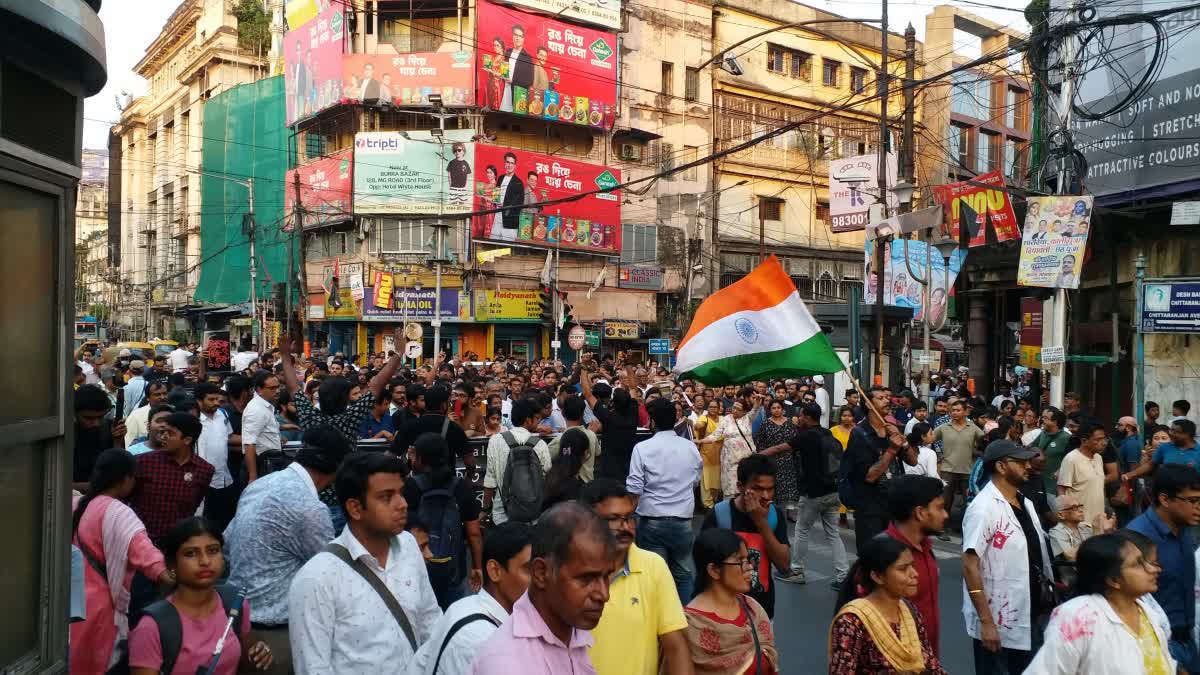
(1031, 333)
(556, 344)
(1053, 355)
(591, 338)
(413, 350)
(576, 338)
(1185, 213)
(413, 331)
(1169, 307)
(662, 346)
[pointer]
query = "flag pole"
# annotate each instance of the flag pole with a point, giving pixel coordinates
(866, 399)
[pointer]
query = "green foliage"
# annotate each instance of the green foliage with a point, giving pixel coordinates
(254, 26)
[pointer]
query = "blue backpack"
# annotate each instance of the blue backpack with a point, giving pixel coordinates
(724, 515)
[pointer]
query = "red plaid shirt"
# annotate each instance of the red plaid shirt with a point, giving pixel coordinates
(167, 491)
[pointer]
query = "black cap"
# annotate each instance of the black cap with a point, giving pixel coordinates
(1005, 448)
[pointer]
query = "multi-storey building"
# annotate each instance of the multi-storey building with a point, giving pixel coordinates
(92, 291)
(197, 55)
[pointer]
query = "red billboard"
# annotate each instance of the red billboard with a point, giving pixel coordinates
(312, 56)
(535, 66)
(325, 189)
(976, 204)
(408, 79)
(510, 178)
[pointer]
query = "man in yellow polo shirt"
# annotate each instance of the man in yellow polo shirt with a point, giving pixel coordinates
(643, 611)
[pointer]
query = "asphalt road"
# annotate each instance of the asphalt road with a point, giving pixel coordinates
(803, 612)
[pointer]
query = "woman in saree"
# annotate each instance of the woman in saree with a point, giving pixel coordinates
(710, 453)
(738, 433)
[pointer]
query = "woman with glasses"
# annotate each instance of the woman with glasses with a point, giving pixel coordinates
(1110, 628)
(728, 632)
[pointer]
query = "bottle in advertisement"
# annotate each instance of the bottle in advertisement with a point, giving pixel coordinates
(525, 226)
(597, 235)
(568, 231)
(610, 236)
(583, 236)
(552, 225)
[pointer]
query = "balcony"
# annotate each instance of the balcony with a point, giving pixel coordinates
(145, 226)
(179, 226)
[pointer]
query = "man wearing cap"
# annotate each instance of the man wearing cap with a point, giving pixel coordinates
(1005, 564)
(135, 389)
(280, 524)
(822, 395)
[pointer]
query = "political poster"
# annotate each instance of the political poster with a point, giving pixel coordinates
(535, 66)
(975, 204)
(312, 57)
(605, 13)
(413, 172)
(1054, 241)
(902, 285)
(409, 79)
(511, 179)
(325, 188)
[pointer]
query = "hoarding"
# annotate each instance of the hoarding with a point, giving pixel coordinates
(312, 56)
(976, 205)
(1054, 242)
(1170, 306)
(456, 305)
(850, 200)
(325, 187)
(409, 79)
(537, 67)
(616, 329)
(600, 12)
(501, 306)
(511, 178)
(902, 282)
(644, 277)
(413, 172)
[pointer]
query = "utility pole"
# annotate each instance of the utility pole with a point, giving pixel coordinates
(255, 328)
(1058, 315)
(881, 171)
(289, 326)
(908, 169)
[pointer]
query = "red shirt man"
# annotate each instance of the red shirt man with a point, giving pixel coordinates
(919, 512)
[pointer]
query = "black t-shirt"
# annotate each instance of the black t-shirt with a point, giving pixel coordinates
(762, 583)
(811, 465)
(862, 452)
(458, 170)
(235, 418)
(618, 437)
(464, 496)
(456, 438)
(1033, 545)
(89, 443)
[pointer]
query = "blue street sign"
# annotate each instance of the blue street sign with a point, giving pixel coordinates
(660, 346)
(1170, 307)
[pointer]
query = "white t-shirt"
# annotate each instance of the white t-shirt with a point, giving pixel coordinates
(89, 373)
(178, 360)
(926, 464)
(241, 361)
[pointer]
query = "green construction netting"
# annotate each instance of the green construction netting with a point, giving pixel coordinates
(244, 137)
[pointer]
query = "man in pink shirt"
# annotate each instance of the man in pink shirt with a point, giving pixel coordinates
(547, 633)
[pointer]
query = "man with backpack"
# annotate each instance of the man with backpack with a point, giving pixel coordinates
(517, 463)
(447, 505)
(867, 466)
(818, 457)
(433, 419)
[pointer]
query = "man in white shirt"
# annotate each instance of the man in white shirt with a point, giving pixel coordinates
(525, 421)
(822, 395)
(456, 638)
(338, 620)
(1081, 473)
(260, 428)
(137, 425)
(177, 360)
(243, 358)
(1005, 394)
(920, 414)
(213, 446)
(135, 388)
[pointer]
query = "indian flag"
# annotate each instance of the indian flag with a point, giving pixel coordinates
(755, 329)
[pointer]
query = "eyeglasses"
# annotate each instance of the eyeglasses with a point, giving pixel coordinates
(631, 519)
(1194, 501)
(1148, 565)
(744, 563)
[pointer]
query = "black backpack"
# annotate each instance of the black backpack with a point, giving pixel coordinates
(170, 627)
(831, 456)
(439, 509)
(523, 488)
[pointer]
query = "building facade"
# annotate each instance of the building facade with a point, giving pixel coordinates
(93, 290)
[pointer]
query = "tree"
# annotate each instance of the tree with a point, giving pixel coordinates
(254, 26)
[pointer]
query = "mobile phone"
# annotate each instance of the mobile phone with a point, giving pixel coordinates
(458, 406)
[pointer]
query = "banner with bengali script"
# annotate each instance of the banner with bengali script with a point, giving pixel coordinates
(312, 56)
(1054, 241)
(976, 205)
(325, 187)
(409, 79)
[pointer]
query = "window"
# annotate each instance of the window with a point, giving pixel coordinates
(1020, 109)
(1010, 108)
(1010, 157)
(823, 211)
(770, 208)
(958, 147)
(802, 66)
(690, 154)
(969, 95)
(405, 236)
(691, 84)
(987, 152)
(829, 72)
(667, 87)
(858, 80)
(666, 158)
(775, 56)
(639, 243)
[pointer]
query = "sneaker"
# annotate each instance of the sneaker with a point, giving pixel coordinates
(943, 537)
(793, 578)
(836, 584)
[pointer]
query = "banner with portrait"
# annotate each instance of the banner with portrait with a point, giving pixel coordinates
(975, 203)
(902, 285)
(1054, 241)
(413, 172)
(409, 79)
(312, 57)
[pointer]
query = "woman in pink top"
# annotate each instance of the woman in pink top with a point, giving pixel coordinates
(115, 545)
(193, 550)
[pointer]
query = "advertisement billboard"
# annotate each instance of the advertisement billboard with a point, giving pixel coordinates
(976, 205)
(409, 79)
(512, 178)
(1055, 240)
(644, 277)
(312, 58)
(500, 306)
(1031, 333)
(902, 282)
(535, 66)
(605, 13)
(456, 305)
(325, 187)
(413, 172)
(850, 200)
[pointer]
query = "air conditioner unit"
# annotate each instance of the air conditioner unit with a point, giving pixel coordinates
(630, 152)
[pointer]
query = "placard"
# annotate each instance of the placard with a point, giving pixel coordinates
(1053, 355)
(1054, 242)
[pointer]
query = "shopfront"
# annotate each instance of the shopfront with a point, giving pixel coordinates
(513, 317)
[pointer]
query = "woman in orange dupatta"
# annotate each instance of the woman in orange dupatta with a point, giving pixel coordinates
(114, 545)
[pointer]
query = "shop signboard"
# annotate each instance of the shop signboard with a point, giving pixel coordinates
(902, 283)
(616, 329)
(1031, 333)
(1171, 306)
(348, 309)
(413, 172)
(325, 188)
(1055, 240)
(535, 66)
(975, 204)
(312, 58)
(591, 338)
(605, 13)
(660, 346)
(456, 305)
(409, 79)
(505, 177)
(850, 200)
(507, 306)
(644, 277)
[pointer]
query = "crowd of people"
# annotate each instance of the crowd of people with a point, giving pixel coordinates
(471, 516)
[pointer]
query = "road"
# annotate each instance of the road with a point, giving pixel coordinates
(803, 613)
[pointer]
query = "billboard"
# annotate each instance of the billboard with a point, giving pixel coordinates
(413, 172)
(644, 277)
(1031, 333)
(312, 56)
(1055, 239)
(512, 178)
(605, 13)
(456, 305)
(902, 282)
(325, 190)
(534, 66)
(850, 202)
(409, 79)
(508, 306)
(976, 205)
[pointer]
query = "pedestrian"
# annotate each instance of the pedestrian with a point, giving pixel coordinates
(618, 415)
(1109, 627)
(751, 513)
(821, 394)
(456, 638)
(1182, 450)
(841, 431)
(919, 457)
(1175, 509)
(171, 483)
(876, 628)
(728, 631)
(918, 510)
(154, 429)
(94, 432)
(772, 439)
(221, 499)
(448, 505)
(136, 422)
(871, 457)
(573, 410)
(434, 418)
(643, 617)
(1081, 473)
(920, 414)
(959, 437)
(735, 429)
(663, 473)
(1053, 442)
(1006, 565)
(379, 422)
(135, 388)
(529, 484)
(710, 454)
(114, 544)
(260, 428)
(564, 482)
(1071, 530)
(364, 603)
(216, 636)
(548, 632)
(1152, 411)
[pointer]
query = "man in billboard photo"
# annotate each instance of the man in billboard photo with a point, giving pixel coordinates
(300, 79)
(520, 69)
(541, 72)
(510, 193)
(369, 86)
(531, 194)
(458, 173)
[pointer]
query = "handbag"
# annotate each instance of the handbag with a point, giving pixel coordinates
(754, 635)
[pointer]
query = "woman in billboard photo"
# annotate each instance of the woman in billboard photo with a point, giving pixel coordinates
(494, 94)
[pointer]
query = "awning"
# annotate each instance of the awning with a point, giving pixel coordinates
(633, 133)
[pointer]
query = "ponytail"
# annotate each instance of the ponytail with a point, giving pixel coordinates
(112, 466)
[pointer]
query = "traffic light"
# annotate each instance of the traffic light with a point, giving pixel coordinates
(546, 304)
(568, 312)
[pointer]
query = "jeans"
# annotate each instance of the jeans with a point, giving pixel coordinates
(1184, 653)
(1006, 661)
(825, 508)
(672, 539)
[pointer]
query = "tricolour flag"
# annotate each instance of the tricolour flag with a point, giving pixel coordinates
(755, 329)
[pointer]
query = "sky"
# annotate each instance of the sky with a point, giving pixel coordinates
(131, 25)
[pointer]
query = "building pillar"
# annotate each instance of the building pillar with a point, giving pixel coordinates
(978, 338)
